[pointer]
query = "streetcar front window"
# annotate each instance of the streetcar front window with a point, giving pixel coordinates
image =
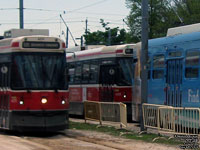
(38, 71)
(126, 71)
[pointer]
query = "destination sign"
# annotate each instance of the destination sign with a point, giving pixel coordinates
(44, 45)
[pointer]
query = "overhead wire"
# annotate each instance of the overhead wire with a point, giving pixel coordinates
(8, 8)
(87, 6)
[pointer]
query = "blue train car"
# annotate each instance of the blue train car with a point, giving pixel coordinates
(173, 75)
(173, 72)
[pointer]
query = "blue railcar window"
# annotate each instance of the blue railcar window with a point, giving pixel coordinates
(159, 61)
(191, 72)
(175, 54)
(192, 58)
(158, 74)
(148, 62)
(192, 64)
(148, 67)
(158, 66)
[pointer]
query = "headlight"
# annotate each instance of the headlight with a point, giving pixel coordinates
(21, 102)
(63, 102)
(44, 100)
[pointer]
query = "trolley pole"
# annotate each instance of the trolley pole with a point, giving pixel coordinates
(68, 30)
(21, 14)
(144, 56)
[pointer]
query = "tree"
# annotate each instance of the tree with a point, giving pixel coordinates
(161, 17)
(117, 36)
(188, 10)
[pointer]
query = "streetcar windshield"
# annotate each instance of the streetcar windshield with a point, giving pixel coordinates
(126, 71)
(38, 71)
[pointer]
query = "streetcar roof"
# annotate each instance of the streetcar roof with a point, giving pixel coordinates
(102, 52)
(15, 44)
(171, 42)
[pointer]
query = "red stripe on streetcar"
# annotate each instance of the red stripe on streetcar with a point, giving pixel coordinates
(4, 47)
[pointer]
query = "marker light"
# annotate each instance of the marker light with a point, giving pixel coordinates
(15, 44)
(21, 102)
(44, 100)
(63, 102)
(63, 45)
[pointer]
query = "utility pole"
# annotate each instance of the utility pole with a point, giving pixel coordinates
(144, 56)
(67, 37)
(86, 29)
(86, 26)
(21, 14)
(109, 37)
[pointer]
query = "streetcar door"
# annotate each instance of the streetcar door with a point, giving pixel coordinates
(4, 95)
(174, 81)
(107, 80)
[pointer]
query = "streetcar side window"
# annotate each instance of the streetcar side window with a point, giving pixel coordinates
(4, 75)
(78, 73)
(158, 66)
(71, 72)
(5, 61)
(86, 72)
(94, 69)
(191, 64)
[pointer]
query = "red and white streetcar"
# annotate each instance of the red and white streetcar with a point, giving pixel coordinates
(32, 84)
(101, 74)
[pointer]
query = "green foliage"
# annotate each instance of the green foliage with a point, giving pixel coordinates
(161, 17)
(188, 10)
(163, 14)
(118, 36)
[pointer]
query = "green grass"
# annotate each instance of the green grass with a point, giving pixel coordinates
(124, 133)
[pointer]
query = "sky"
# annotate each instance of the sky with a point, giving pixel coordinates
(45, 14)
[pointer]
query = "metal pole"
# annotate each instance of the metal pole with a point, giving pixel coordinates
(21, 14)
(86, 27)
(144, 56)
(86, 30)
(81, 41)
(109, 37)
(67, 37)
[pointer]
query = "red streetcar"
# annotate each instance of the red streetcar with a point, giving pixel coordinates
(32, 84)
(100, 74)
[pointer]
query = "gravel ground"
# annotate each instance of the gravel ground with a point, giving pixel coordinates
(77, 140)
(90, 140)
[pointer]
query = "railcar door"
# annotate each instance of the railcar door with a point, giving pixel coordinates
(107, 80)
(174, 79)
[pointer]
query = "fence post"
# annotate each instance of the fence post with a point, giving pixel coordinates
(100, 114)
